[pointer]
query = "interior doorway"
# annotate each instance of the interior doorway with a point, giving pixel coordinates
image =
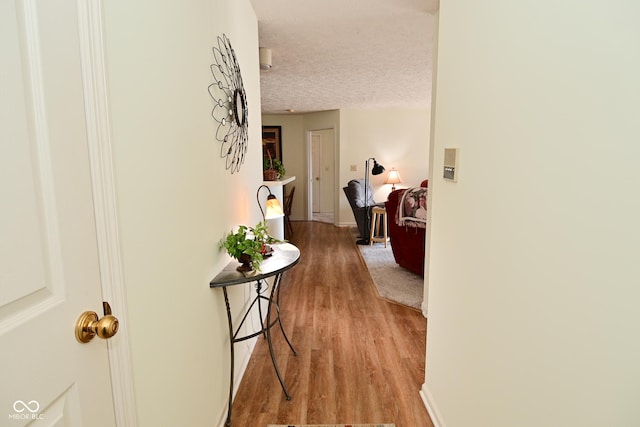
(322, 175)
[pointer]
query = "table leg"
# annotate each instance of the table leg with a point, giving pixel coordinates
(277, 290)
(226, 302)
(258, 290)
(268, 329)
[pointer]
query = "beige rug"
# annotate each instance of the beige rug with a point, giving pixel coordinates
(392, 281)
(331, 425)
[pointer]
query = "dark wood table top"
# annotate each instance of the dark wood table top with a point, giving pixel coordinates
(285, 256)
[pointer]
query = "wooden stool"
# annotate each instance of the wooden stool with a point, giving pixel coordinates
(378, 213)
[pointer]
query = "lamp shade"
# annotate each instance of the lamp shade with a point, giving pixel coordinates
(377, 168)
(273, 208)
(393, 177)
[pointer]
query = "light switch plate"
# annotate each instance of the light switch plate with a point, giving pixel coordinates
(450, 172)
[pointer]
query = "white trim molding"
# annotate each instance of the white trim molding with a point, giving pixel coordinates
(429, 403)
(104, 198)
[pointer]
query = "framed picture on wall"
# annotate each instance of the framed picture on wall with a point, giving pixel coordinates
(272, 142)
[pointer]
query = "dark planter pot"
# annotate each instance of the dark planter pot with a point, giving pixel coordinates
(245, 263)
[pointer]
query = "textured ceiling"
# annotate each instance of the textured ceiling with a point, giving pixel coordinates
(346, 54)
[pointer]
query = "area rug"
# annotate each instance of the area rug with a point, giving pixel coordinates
(331, 425)
(392, 281)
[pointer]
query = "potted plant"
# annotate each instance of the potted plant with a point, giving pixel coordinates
(249, 245)
(273, 169)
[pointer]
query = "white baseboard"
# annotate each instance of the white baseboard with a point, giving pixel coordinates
(429, 403)
(423, 307)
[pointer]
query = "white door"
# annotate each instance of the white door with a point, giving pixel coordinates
(49, 270)
(316, 171)
(327, 170)
(321, 186)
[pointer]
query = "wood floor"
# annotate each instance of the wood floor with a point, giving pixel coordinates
(360, 358)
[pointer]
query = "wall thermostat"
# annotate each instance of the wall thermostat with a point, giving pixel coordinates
(450, 164)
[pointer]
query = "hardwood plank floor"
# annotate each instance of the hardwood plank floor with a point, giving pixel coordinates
(360, 358)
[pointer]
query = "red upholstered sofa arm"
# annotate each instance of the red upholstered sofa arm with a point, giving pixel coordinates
(407, 243)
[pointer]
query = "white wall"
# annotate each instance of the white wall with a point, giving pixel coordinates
(394, 137)
(324, 121)
(533, 277)
(293, 155)
(295, 150)
(176, 199)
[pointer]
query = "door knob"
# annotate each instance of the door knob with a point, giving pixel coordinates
(88, 325)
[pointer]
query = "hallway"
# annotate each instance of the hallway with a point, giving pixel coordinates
(360, 358)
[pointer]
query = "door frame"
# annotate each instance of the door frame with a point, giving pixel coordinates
(94, 75)
(310, 169)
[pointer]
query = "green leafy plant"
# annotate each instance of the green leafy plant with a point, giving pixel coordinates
(249, 244)
(274, 164)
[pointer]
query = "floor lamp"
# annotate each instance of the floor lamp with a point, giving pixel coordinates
(376, 170)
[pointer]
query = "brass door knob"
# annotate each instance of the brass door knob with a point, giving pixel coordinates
(88, 325)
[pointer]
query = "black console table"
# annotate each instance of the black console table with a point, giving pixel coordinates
(285, 256)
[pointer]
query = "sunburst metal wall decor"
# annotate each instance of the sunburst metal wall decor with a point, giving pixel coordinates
(230, 105)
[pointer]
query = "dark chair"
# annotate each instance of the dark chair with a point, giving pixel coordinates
(288, 202)
(361, 210)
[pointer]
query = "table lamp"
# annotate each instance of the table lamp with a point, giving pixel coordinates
(273, 208)
(393, 178)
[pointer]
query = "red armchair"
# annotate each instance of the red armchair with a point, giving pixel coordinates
(407, 243)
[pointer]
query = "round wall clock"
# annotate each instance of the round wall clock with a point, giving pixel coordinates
(230, 105)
